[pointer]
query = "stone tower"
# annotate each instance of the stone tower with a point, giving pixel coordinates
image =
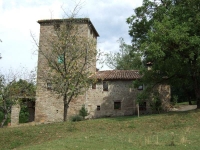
(49, 108)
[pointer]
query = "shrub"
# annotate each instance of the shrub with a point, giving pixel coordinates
(83, 112)
(24, 114)
(2, 117)
(76, 118)
(156, 104)
(174, 99)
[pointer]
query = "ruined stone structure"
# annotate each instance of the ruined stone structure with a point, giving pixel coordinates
(15, 110)
(15, 114)
(112, 95)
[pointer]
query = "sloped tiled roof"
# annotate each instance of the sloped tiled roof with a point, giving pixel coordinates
(118, 75)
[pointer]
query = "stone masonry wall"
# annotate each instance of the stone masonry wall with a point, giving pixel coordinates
(49, 107)
(15, 110)
(118, 91)
(165, 95)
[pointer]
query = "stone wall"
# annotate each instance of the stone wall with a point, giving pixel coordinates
(49, 106)
(165, 96)
(15, 110)
(118, 91)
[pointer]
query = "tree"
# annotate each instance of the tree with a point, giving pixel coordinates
(83, 112)
(125, 59)
(12, 92)
(70, 58)
(167, 34)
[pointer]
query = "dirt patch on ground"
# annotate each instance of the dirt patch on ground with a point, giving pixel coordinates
(184, 108)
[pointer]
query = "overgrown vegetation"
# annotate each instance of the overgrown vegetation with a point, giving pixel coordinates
(13, 91)
(171, 131)
(24, 114)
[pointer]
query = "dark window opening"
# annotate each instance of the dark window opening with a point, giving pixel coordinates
(49, 86)
(142, 106)
(105, 86)
(93, 85)
(98, 107)
(117, 105)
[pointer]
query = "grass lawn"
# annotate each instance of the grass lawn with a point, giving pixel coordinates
(170, 131)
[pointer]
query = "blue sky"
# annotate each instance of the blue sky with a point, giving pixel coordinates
(19, 17)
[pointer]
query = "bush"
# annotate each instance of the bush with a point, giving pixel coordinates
(24, 114)
(76, 118)
(2, 117)
(174, 99)
(156, 104)
(83, 112)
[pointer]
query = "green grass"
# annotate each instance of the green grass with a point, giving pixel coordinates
(157, 132)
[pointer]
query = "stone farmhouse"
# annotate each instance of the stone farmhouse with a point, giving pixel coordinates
(112, 95)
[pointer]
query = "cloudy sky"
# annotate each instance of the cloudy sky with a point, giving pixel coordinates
(19, 17)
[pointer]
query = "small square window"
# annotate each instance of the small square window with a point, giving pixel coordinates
(98, 107)
(142, 106)
(49, 86)
(94, 85)
(117, 105)
(105, 86)
(140, 87)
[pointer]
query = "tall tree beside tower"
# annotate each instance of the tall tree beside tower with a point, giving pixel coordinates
(167, 34)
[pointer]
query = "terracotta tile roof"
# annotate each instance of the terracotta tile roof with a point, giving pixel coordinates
(118, 75)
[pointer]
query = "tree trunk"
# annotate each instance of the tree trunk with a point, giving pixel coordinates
(65, 107)
(197, 90)
(198, 103)
(4, 119)
(65, 111)
(189, 101)
(197, 93)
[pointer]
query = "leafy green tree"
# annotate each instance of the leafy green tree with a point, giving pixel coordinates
(125, 59)
(12, 92)
(167, 34)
